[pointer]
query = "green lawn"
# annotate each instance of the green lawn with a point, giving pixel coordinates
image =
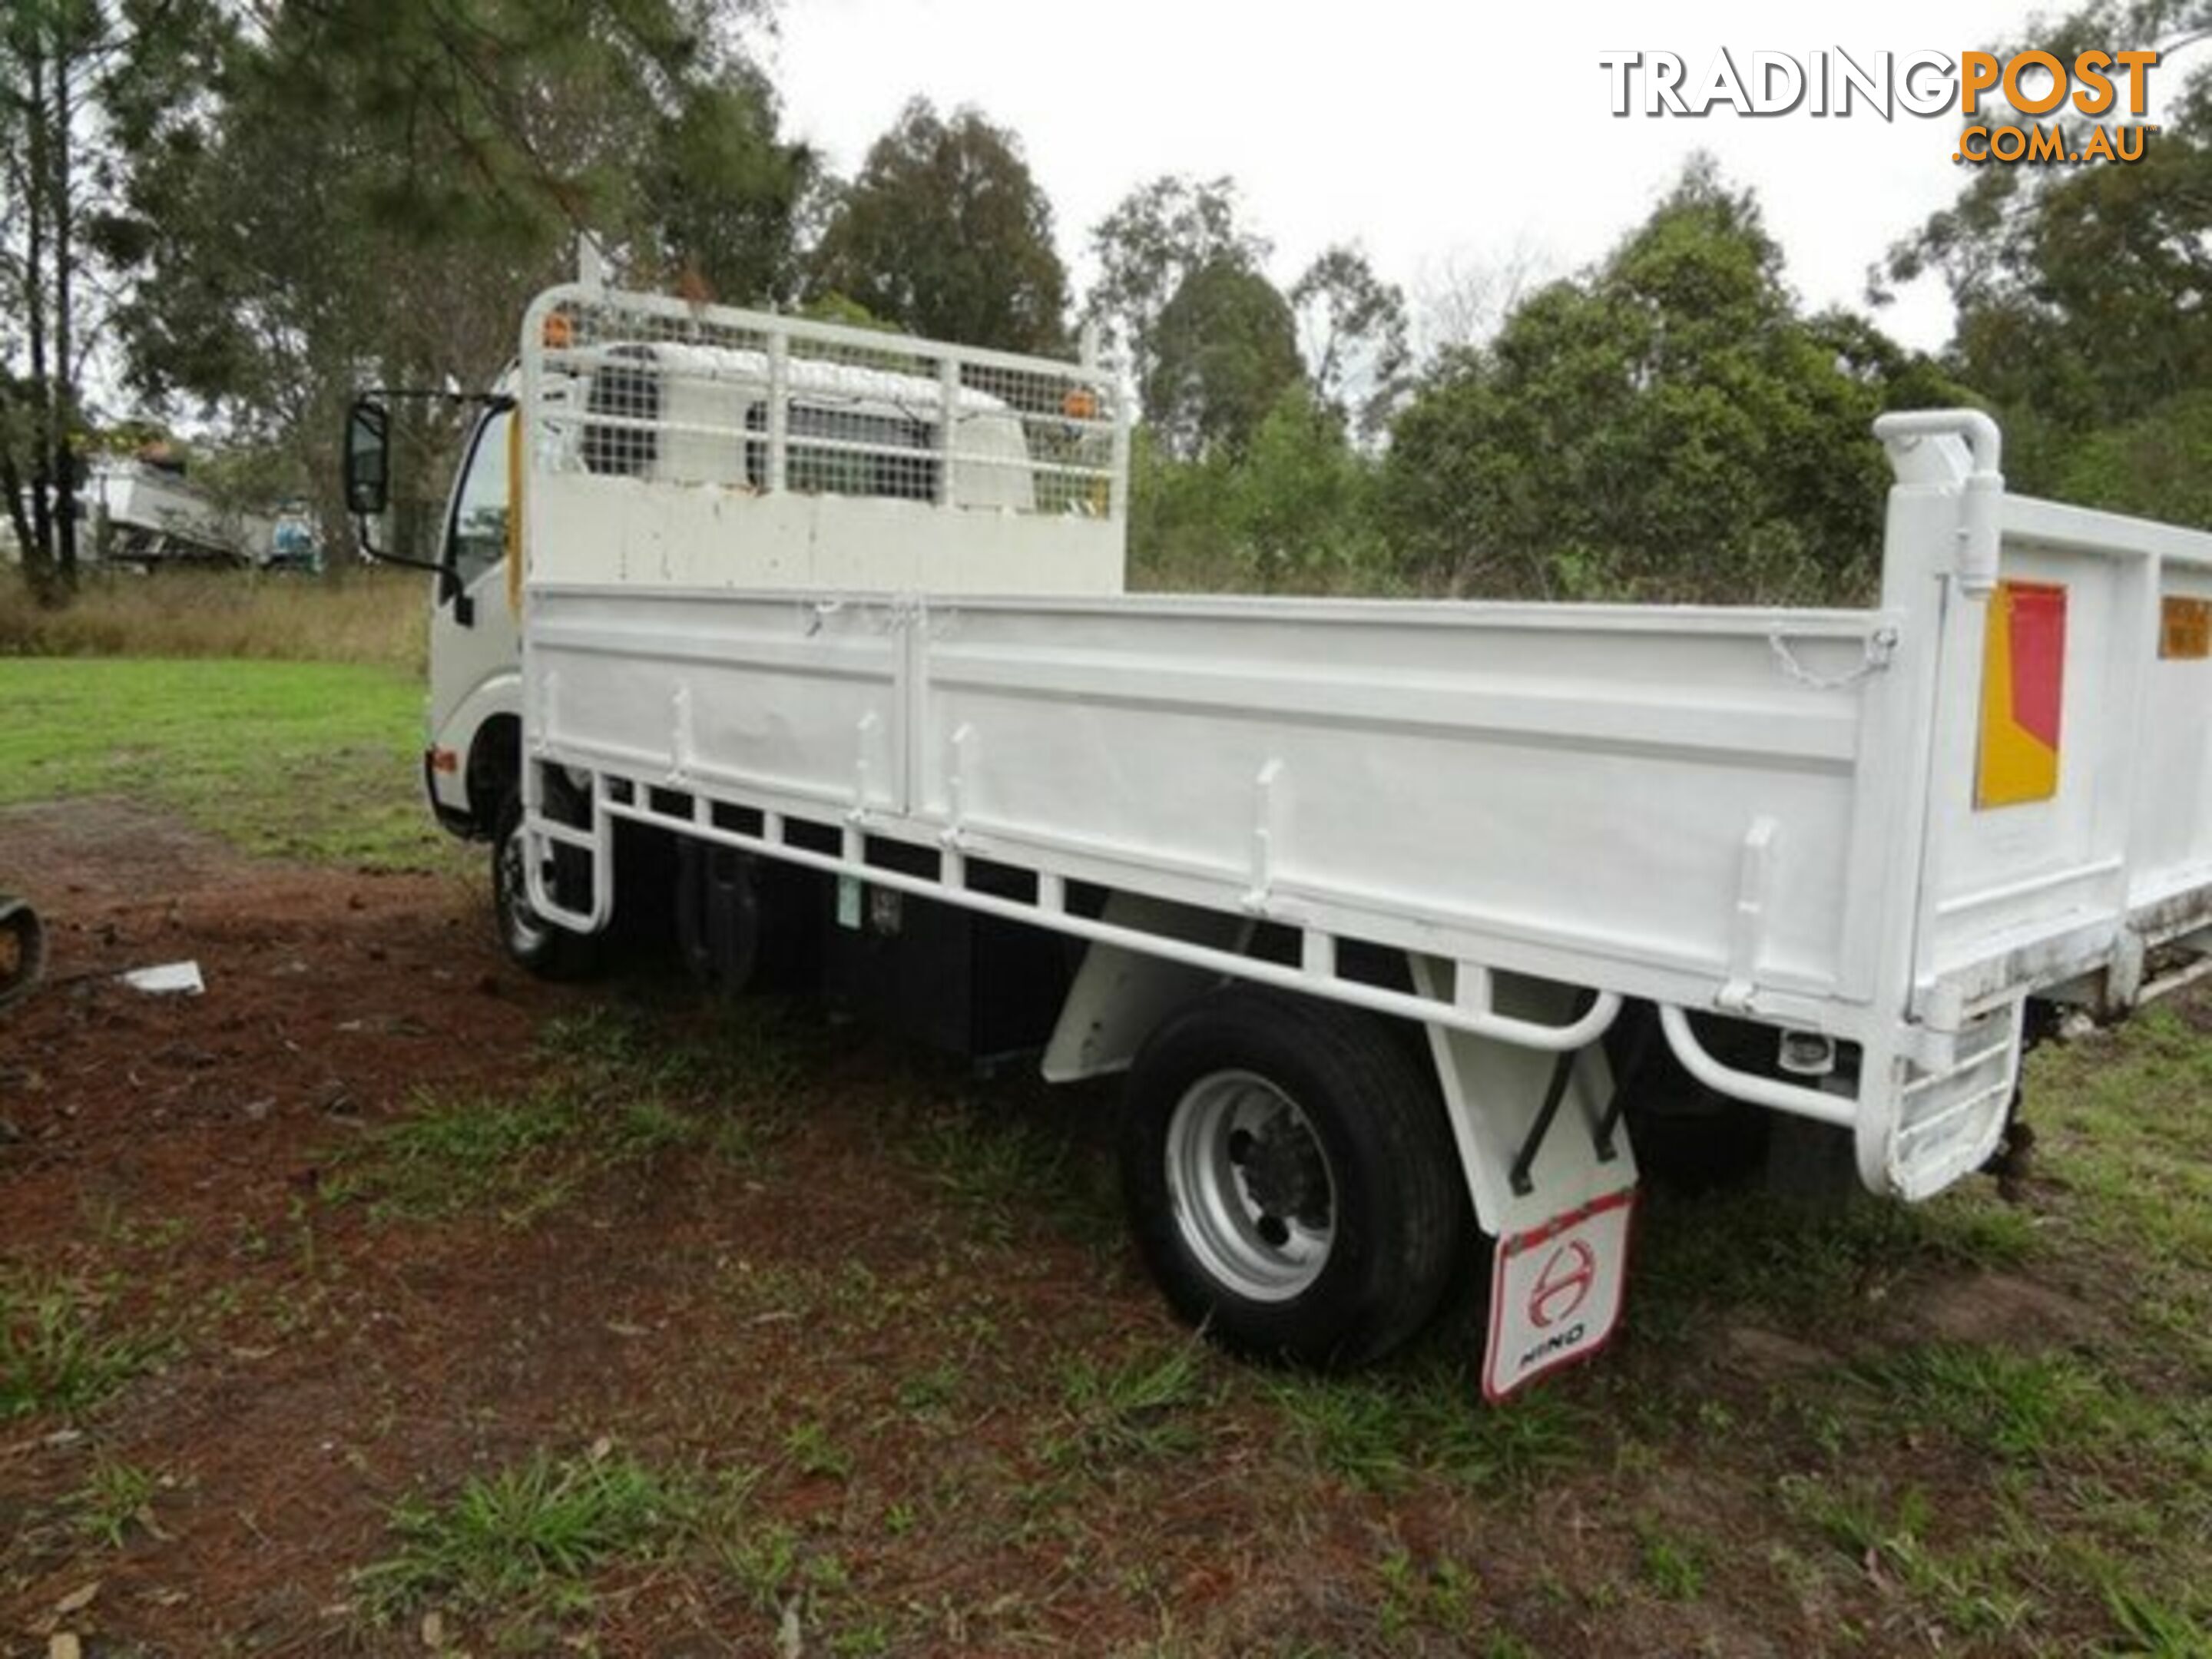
(316, 760)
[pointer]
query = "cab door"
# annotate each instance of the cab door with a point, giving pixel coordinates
(475, 652)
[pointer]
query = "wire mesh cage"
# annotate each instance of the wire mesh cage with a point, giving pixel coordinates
(628, 386)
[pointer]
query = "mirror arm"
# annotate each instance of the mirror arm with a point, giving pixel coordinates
(385, 555)
(449, 579)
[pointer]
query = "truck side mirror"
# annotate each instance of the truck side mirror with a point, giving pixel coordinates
(368, 457)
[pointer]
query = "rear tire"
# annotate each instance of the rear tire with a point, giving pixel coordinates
(745, 923)
(530, 942)
(1291, 1178)
(718, 916)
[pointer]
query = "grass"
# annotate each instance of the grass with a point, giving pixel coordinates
(517, 1157)
(2036, 1428)
(811, 1451)
(528, 1547)
(315, 760)
(612, 1093)
(1441, 1595)
(1424, 1418)
(525, 1538)
(115, 1499)
(1887, 1536)
(1143, 1407)
(764, 1560)
(1006, 1174)
(62, 1351)
(1754, 1254)
(2024, 1408)
(379, 617)
(456, 1155)
(1990, 1495)
(759, 1052)
(1674, 1563)
(2124, 1128)
(2152, 1629)
(1857, 1517)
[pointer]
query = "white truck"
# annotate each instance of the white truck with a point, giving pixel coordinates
(1386, 909)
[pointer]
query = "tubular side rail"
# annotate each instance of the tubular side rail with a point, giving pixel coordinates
(1820, 1107)
(598, 842)
(1473, 1015)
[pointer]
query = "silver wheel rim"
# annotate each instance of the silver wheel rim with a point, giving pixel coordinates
(1254, 1199)
(525, 933)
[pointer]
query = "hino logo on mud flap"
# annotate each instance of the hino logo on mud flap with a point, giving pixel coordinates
(1564, 1285)
(1553, 1344)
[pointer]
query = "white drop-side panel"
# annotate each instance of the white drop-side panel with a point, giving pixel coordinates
(2023, 895)
(1514, 784)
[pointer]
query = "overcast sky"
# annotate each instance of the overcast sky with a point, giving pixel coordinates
(1433, 134)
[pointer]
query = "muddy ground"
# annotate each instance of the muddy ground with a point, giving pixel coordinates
(908, 1349)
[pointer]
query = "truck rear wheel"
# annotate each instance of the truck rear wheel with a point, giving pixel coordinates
(530, 942)
(1291, 1178)
(745, 923)
(718, 915)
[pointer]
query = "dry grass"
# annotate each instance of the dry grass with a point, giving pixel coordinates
(370, 617)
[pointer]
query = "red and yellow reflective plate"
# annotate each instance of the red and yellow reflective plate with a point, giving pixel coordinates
(2023, 691)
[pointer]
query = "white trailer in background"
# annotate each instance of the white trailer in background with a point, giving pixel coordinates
(1387, 908)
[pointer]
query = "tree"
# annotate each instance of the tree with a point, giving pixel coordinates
(1299, 506)
(380, 187)
(721, 192)
(78, 78)
(482, 116)
(1224, 350)
(2084, 295)
(1151, 245)
(2157, 466)
(1351, 327)
(1459, 301)
(1667, 425)
(945, 234)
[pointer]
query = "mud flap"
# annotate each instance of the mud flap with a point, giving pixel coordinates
(1556, 1292)
(1552, 1175)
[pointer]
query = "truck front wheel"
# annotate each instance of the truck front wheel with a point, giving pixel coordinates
(531, 941)
(1291, 1178)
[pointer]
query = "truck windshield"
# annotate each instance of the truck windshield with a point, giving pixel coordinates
(479, 533)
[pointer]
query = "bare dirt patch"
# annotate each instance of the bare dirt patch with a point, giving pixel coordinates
(2006, 1308)
(326, 993)
(873, 1323)
(168, 1143)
